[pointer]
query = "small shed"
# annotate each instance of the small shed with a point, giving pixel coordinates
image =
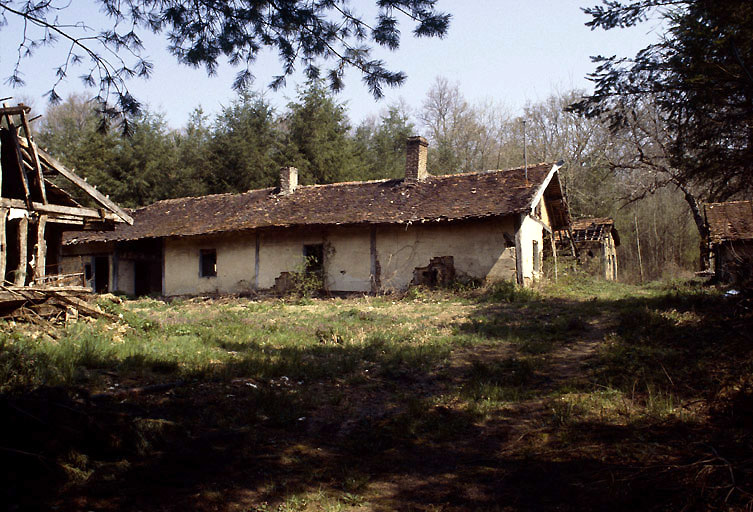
(730, 227)
(594, 241)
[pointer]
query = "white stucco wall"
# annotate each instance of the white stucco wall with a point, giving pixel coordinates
(235, 265)
(530, 231)
(347, 263)
(478, 249)
(282, 251)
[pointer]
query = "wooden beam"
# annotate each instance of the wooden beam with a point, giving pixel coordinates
(34, 157)
(554, 254)
(20, 157)
(23, 251)
(41, 257)
(75, 211)
(14, 111)
(93, 192)
(3, 243)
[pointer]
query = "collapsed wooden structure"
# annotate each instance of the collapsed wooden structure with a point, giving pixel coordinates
(35, 211)
(592, 243)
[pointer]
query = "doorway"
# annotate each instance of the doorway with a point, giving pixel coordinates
(101, 274)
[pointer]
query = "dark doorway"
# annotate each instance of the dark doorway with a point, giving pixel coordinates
(12, 255)
(147, 278)
(141, 278)
(101, 274)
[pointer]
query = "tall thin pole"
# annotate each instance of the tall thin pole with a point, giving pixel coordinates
(525, 149)
(638, 243)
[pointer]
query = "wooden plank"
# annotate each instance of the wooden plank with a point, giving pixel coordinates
(93, 192)
(79, 304)
(23, 251)
(34, 157)
(41, 257)
(19, 155)
(3, 243)
(75, 211)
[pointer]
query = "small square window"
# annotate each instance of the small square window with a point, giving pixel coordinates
(208, 262)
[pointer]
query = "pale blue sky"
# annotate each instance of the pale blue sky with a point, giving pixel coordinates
(510, 52)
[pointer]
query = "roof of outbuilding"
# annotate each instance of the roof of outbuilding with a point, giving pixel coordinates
(594, 229)
(730, 221)
(438, 198)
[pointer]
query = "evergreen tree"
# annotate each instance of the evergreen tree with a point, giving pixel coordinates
(193, 156)
(380, 144)
(317, 137)
(244, 146)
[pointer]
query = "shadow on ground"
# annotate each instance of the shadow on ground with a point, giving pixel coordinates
(391, 440)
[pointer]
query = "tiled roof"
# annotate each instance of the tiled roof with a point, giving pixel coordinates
(730, 221)
(438, 198)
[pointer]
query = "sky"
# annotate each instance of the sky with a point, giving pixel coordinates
(505, 51)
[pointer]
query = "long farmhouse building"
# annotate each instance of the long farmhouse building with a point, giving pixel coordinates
(371, 236)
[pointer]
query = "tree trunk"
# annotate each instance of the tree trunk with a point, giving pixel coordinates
(700, 222)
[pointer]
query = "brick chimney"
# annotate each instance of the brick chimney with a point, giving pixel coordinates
(288, 180)
(415, 159)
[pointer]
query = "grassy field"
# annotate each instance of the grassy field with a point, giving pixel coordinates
(583, 395)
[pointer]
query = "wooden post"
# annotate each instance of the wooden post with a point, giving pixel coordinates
(17, 148)
(3, 244)
(34, 157)
(41, 259)
(23, 251)
(554, 253)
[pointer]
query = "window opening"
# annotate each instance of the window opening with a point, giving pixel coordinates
(208, 262)
(313, 258)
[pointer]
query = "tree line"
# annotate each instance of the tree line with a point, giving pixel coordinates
(243, 146)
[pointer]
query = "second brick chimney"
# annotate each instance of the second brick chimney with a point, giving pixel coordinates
(415, 159)
(288, 180)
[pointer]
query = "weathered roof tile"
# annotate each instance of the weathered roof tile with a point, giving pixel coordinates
(452, 197)
(730, 221)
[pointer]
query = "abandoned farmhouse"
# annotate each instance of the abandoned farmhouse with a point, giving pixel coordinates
(369, 236)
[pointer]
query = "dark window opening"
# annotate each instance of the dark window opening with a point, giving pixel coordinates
(101, 274)
(88, 271)
(208, 263)
(314, 258)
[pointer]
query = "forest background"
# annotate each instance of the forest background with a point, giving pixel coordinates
(245, 144)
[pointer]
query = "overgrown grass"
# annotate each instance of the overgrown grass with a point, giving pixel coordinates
(572, 366)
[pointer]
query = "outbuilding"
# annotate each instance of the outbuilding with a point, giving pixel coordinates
(730, 228)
